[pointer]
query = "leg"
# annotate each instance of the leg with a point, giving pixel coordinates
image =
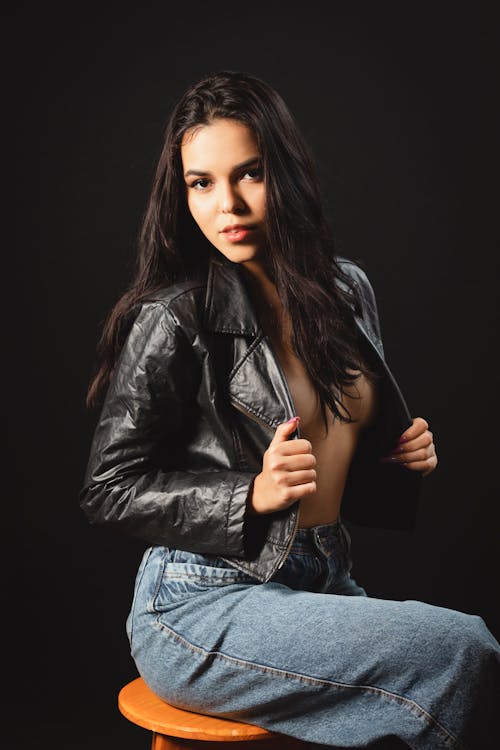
(331, 669)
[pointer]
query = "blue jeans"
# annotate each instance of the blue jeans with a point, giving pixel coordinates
(309, 655)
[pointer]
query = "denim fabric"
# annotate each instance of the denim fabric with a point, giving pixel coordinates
(308, 654)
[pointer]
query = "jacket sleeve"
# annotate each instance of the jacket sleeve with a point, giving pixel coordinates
(149, 409)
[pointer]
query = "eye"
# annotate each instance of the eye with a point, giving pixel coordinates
(201, 184)
(255, 173)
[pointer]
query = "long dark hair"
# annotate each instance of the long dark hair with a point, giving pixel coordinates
(301, 257)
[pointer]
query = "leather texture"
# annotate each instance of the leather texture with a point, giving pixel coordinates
(192, 405)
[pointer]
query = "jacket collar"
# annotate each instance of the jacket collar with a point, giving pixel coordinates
(228, 308)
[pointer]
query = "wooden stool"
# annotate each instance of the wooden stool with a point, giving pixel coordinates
(176, 729)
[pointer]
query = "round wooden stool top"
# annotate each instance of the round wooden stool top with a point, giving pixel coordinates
(141, 706)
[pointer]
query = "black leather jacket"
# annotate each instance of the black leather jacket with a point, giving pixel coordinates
(190, 410)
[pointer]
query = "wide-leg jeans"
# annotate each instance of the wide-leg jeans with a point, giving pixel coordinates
(309, 654)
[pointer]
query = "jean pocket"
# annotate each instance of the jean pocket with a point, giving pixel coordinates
(187, 574)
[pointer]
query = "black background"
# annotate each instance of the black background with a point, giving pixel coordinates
(399, 103)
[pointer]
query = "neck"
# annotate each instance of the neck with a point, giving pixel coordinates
(262, 289)
(266, 301)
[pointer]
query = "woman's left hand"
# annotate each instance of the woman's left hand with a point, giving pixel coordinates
(415, 449)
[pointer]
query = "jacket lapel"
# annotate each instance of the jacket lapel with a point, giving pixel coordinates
(257, 384)
(227, 305)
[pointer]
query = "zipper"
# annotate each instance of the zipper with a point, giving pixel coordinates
(251, 415)
(260, 421)
(290, 543)
(291, 407)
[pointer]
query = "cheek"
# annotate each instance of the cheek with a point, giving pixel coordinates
(203, 218)
(260, 201)
(197, 211)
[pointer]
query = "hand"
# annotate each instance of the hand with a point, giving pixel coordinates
(288, 472)
(415, 449)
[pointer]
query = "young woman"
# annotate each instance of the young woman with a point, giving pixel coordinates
(247, 404)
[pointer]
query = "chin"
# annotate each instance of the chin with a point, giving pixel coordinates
(240, 253)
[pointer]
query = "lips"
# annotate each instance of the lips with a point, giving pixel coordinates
(238, 232)
(237, 228)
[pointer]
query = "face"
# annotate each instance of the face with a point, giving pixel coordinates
(225, 187)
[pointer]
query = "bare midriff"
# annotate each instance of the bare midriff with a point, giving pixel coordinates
(334, 450)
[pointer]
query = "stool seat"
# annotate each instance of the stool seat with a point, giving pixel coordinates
(142, 707)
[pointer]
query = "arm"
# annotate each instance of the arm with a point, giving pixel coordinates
(133, 481)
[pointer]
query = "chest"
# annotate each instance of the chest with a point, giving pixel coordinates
(359, 399)
(259, 385)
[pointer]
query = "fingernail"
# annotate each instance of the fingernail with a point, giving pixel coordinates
(293, 419)
(402, 439)
(388, 459)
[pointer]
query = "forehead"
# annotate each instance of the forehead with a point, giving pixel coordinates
(220, 144)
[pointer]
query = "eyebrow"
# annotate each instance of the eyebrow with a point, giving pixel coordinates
(243, 164)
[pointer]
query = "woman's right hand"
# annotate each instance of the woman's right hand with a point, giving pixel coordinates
(288, 471)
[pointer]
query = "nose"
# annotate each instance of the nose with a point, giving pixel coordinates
(230, 201)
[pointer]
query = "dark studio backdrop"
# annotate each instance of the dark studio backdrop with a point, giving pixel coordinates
(398, 102)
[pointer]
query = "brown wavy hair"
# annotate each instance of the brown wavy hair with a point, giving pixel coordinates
(301, 257)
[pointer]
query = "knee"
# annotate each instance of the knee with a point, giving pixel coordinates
(473, 633)
(447, 633)
(466, 640)
(479, 642)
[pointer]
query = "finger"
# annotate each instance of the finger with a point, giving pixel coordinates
(422, 454)
(287, 490)
(285, 430)
(418, 426)
(422, 441)
(295, 492)
(294, 447)
(425, 467)
(416, 456)
(301, 477)
(300, 462)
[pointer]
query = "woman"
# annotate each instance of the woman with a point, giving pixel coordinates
(247, 402)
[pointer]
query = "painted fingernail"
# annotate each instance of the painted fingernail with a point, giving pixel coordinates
(293, 419)
(389, 459)
(402, 439)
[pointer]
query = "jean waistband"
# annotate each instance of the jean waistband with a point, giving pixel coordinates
(327, 536)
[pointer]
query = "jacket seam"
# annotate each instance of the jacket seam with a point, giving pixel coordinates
(238, 451)
(166, 304)
(226, 520)
(248, 352)
(227, 514)
(277, 542)
(253, 411)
